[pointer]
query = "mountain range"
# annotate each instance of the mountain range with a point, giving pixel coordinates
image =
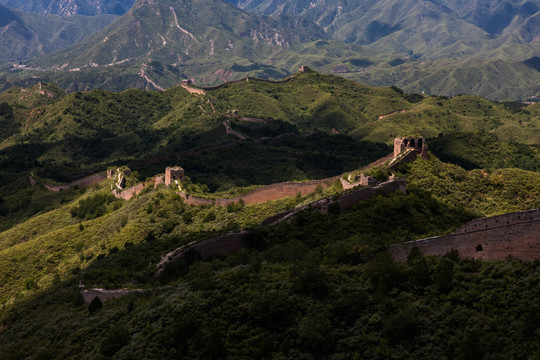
(429, 29)
(71, 7)
(24, 35)
(436, 47)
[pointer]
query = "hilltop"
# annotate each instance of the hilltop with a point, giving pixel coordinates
(136, 124)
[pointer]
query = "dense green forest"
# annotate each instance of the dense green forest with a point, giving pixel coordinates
(320, 286)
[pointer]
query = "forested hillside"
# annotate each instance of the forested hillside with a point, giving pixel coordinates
(320, 285)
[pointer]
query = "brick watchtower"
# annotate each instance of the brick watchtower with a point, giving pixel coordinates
(174, 173)
(417, 144)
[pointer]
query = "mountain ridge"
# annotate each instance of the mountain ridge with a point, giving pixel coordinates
(210, 42)
(71, 7)
(23, 35)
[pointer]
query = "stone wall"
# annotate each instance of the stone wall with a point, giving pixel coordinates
(347, 200)
(105, 295)
(265, 193)
(87, 181)
(220, 245)
(494, 238)
(359, 180)
(248, 79)
(129, 192)
(226, 244)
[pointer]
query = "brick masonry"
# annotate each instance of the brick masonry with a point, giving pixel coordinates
(129, 192)
(515, 235)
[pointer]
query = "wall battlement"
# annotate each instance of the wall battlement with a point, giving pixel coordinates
(418, 144)
(494, 238)
(499, 221)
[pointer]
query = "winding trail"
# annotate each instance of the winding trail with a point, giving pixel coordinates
(179, 27)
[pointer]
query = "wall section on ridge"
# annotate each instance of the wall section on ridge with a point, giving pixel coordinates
(515, 235)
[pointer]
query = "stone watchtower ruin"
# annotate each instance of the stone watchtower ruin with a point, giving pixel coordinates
(173, 174)
(304, 69)
(416, 144)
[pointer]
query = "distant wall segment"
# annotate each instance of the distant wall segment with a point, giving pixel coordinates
(493, 238)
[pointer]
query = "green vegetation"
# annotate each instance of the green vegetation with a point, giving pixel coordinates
(316, 277)
(316, 286)
(485, 151)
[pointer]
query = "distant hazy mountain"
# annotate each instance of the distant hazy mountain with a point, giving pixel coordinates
(431, 29)
(420, 46)
(24, 35)
(180, 38)
(71, 7)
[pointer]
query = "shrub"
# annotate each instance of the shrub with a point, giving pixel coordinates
(116, 338)
(92, 207)
(94, 305)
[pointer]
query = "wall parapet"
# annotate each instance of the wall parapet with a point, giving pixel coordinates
(264, 193)
(87, 181)
(226, 244)
(515, 235)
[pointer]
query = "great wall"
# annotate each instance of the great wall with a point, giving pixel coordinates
(87, 181)
(226, 244)
(264, 193)
(487, 238)
(515, 235)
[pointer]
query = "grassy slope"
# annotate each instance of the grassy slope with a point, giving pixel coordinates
(99, 128)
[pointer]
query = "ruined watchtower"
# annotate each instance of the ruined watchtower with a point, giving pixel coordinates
(418, 144)
(173, 174)
(185, 82)
(304, 69)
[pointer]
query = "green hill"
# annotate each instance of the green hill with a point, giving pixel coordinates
(100, 127)
(421, 29)
(313, 264)
(317, 286)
